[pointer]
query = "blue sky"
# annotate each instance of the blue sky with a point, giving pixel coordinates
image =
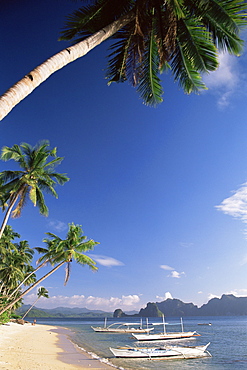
(163, 190)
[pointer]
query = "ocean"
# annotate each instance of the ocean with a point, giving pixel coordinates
(227, 337)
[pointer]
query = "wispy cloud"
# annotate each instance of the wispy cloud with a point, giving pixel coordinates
(126, 302)
(174, 273)
(186, 245)
(166, 267)
(106, 261)
(225, 81)
(244, 261)
(236, 204)
(57, 225)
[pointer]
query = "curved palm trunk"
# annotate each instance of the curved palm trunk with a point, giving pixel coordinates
(33, 79)
(36, 300)
(7, 214)
(30, 288)
(27, 277)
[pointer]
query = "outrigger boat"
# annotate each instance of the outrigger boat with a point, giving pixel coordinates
(166, 352)
(166, 336)
(205, 323)
(117, 327)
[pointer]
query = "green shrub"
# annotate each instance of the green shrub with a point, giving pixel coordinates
(4, 318)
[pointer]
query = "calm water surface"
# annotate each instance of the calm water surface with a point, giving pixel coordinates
(227, 337)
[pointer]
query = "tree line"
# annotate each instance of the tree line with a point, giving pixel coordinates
(36, 175)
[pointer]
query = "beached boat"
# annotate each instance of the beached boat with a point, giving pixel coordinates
(166, 336)
(166, 352)
(117, 327)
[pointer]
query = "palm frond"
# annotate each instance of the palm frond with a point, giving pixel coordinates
(90, 19)
(224, 19)
(178, 8)
(189, 79)
(43, 209)
(116, 71)
(11, 153)
(197, 46)
(9, 175)
(67, 273)
(149, 86)
(83, 259)
(86, 246)
(47, 186)
(21, 202)
(61, 178)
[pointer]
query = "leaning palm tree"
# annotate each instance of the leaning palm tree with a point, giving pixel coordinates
(36, 175)
(153, 35)
(60, 252)
(42, 292)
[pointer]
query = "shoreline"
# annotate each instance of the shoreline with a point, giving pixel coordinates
(43, 347)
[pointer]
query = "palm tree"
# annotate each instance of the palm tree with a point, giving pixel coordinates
(42, 292)
(15, 264)
(36, 175)
(59, 252)
(6, 242)
(154, 35)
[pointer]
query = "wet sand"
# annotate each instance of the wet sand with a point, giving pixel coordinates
(42, 347)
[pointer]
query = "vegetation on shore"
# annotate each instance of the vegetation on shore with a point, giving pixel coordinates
(16, 270)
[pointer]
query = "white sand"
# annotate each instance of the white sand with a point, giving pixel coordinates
(40, 347)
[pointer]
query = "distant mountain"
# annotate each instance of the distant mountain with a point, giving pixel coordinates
(61, 312)
(152, 310)
(227, 305)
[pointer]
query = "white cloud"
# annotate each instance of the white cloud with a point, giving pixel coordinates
(106, 261)
(166, 296)
(244, 261)
(175, 274)
(126, 302)
(57, 225)
(241, 292)
(211, 296)
(225, 80)
(236, 205)
(226, 75)
(166, 267)
(236, 293)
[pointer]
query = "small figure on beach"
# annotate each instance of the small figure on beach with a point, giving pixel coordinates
(34, 321)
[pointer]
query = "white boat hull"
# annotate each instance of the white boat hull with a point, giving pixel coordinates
(165, 352)
(120, 330)
(166, 336)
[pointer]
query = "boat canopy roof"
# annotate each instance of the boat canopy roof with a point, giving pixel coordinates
(166, 323)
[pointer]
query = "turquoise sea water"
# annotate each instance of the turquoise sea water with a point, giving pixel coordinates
(227, 337)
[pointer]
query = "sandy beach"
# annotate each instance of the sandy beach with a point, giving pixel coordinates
(41, 347)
